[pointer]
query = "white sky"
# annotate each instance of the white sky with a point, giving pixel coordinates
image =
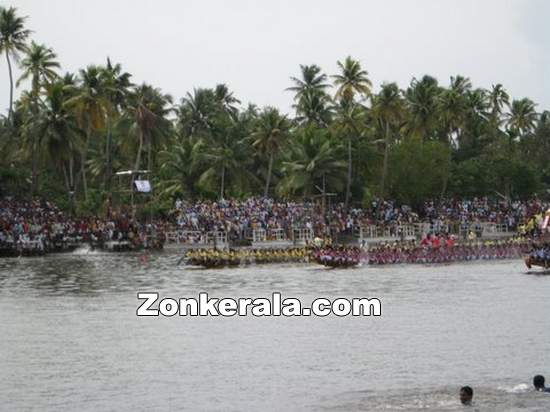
(255, 46)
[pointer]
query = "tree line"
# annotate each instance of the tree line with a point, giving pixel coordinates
(67, 134)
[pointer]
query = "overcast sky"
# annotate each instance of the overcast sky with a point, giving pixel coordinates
(255, 46)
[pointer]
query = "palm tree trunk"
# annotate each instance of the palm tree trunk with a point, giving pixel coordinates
(446, 179)
(108, 166)
(66, 178)
(386, 156)
(71, 184)
(84, 156)
(445, 184)
(11, 87)
(136, 167)
(138, 157)
(507, 179)
(137, 164)
(68, 185)
(149, 160)
(268, 180)
(222, 189)
(71, 173)
(33, 166)
(324, 201)
(508, 190)
(348, 186)
(34, 146)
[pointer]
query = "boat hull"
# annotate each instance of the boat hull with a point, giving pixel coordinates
(530, 262)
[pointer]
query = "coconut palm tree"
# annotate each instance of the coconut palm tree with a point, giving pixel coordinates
(13, 37)
(388, 111)
(477, 125)
(90, 105)
(522, 117)
(178, 171)
(269, 135)
(540, 145)
(39, 65)
(460, 84)
(224, 158)
(498, 101)
(313, 160)
(478, 103)
(312, 81)
(454, 108)
(421, 98)
(314, 108)
(312, 102)
(520, 123)
(197, 112)
(26, 112)
(116, 85)
(226, 100)
(536, 145)
(352, 80)
(542, 131)
(59, 133)
(349, 124)
(148, 110)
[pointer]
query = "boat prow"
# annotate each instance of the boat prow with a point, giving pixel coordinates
(531, 261)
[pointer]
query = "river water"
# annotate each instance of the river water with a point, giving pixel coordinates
(71, 340)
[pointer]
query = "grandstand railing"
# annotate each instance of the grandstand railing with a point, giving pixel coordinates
(360, 233)
(259, 235)
(419, 230)
(269, 235)
(278, 235)
(302, 235)
(382, 231)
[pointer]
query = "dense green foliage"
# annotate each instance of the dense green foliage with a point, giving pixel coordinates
(68, 134)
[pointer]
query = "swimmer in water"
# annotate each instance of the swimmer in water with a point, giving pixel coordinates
(538, 383)
(466, 395)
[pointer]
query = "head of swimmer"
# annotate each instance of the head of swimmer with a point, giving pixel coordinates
(466, 395)
(538, 382)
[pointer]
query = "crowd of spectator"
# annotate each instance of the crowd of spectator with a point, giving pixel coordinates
(264, 213)
(42, 225)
